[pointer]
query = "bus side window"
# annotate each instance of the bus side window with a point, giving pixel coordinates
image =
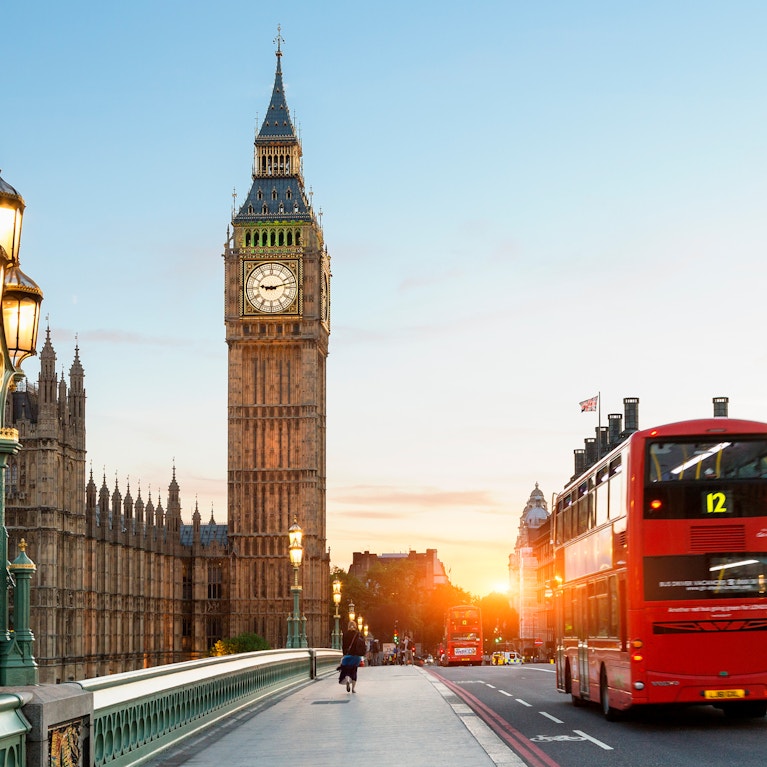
(602, 496)
(567, 613)
(617, 486)
(602, 609)
(612, 596)
(583, 508)
(623, 628)
(567, 522)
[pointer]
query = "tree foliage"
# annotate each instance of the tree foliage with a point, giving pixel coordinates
(240, 643)
(392, 598)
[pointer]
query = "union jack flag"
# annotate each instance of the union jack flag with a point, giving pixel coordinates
(589, 405)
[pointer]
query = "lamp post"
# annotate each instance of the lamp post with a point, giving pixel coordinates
(351, 612)
(297, 622)
(336, 639)
(19, 320)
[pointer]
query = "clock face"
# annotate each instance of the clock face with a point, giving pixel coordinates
(271, 287)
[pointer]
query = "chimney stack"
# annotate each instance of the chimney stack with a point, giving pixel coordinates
(602, 441)
(590, 445)
(631, 410)
(721, 407)
(614, 428)
(579, 461)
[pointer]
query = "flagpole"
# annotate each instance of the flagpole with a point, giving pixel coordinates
(599, 425)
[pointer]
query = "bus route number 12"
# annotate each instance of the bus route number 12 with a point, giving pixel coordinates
(717, 502)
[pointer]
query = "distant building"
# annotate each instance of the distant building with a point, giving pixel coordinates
(529, 569)
(121, 583)
(431, 570)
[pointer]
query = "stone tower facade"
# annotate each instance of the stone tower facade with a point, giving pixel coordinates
(121, 583)
(45, 501)
(277, 317)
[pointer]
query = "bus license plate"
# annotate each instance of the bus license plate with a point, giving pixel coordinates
(723, 694)
(464, 651)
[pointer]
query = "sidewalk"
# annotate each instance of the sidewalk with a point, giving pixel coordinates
(400, 715)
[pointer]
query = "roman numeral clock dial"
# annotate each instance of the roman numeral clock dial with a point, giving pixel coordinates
(272, 288)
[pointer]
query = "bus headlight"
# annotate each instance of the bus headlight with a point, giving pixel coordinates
(639, 685)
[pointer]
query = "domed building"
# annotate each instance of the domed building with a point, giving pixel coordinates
(528, 564)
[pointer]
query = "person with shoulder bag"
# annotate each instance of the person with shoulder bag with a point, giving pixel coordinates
(354, 648)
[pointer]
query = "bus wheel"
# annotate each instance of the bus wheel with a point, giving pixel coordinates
(611, 714)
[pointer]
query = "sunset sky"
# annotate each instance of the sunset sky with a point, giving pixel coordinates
(525, 204)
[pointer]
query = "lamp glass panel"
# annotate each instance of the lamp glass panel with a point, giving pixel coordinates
(21, 319)
(10, 229)
(296, 555)
(295, 535)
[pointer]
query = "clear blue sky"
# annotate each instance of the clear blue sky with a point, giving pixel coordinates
(525, 203)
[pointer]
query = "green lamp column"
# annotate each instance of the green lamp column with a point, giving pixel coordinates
(19, 321)
(24, 664)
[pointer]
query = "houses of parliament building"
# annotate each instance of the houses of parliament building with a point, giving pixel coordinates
(121, 582)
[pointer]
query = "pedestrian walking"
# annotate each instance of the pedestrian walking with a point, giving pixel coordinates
(354, 650)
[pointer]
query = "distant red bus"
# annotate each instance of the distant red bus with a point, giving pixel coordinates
(463, 636)
(661, 571)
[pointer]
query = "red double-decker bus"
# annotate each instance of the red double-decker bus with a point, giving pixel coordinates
(661, 571)
(463, 636)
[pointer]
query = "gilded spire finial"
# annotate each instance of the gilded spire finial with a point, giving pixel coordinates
(279, 40)
(23, 544)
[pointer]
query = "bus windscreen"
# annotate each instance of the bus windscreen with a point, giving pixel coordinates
(738, 575)
(694, 461)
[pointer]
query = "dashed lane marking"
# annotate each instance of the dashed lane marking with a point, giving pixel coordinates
(594, 740)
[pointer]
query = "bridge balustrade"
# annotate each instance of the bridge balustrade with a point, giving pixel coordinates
(139, 713)
(13, 730)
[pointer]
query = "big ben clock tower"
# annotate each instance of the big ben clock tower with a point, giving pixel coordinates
(277, 316)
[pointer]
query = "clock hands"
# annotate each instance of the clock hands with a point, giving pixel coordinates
(278, 285)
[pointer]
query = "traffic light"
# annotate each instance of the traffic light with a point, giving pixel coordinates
(396, 637)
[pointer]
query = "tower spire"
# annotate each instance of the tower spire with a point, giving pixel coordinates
(279, 39)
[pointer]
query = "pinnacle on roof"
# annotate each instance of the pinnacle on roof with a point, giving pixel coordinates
(277, 123)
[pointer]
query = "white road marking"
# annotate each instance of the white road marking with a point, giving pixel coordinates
(524, 703)
(549, 716)
(594, 740)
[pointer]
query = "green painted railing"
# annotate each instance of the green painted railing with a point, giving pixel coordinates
(13, 731)
(139, 713)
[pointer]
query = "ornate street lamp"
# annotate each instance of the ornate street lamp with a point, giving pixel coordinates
(297, 622)
(20, 318)
(351, 612)
(336, 639)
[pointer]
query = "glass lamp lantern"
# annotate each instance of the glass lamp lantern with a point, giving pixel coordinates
(21, 314)
(295, 549)
(11, 213)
